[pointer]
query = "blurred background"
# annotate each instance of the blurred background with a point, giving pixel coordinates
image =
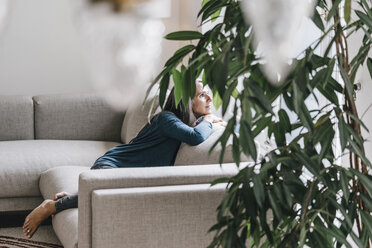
(42, 50)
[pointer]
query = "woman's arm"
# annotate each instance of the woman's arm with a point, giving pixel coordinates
(174, 128)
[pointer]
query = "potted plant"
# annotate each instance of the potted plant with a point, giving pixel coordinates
(314, 200)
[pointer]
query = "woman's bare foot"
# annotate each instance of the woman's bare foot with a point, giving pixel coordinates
(37, 216)
(60, 195)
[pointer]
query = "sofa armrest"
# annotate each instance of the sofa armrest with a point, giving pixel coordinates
(164, 216)
(140, 177)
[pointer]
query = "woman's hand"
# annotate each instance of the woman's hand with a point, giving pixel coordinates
(214, 120)
(60, 195)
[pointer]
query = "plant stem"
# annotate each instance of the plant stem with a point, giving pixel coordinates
(342, 49)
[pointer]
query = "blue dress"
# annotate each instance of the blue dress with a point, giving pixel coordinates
(156, 144)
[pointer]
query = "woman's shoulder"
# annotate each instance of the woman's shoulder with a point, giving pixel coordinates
(166, 116)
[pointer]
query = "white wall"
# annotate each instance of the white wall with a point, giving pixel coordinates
(41, 51)
(363, 97)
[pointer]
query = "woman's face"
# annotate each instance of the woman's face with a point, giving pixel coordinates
(201, 104)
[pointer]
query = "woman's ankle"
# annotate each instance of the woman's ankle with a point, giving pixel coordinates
(51, 206)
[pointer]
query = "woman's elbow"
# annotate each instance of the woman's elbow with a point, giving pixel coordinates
(197, 140)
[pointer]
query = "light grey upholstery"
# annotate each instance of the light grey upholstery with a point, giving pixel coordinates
(139, 177)
(22, 162)
(129, 180)
(59, 179)
(16, 118)
(76, 117)
(65, 226)
(165, 216)
(136, 117)
(193, 155)
(170, 206)
(19, 203)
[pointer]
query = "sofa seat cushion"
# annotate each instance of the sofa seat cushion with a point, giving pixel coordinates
(65, 225)
(22, 162)
(59, 179)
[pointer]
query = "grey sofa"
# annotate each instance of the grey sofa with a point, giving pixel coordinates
(47, 145)
(42, 132)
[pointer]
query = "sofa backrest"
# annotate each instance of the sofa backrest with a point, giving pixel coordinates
(16, 118)
(76, 117)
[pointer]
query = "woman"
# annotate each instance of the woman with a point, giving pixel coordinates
(155, 145)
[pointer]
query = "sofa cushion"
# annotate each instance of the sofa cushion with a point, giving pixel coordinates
(16, 118)
(76, 117)
(22, 162)
(136, 118)
(65, 225)
(193, 155)
(59, 179)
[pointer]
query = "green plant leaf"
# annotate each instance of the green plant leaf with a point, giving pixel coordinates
(334, 232)
(305, 117)
(369, 65)
(177, 80)
(259, 94)
(227, 96)
(210, 9)
(345, 185)
(160, 75)
(219, 74)
(246, 139)
(308, 162)
(288, 196)
(285, 124)
(258, 190)
(347, 10)
(302, 236)
(164, 83)
(220, 180)
(348, 84)
(179, 55)
(279, 135)
(188, 84)
(236, 150)
(318, 20)
(274, 205)
(366, 200)
(354, 136)
(355, 148)
(366, 180)
(184, 35)
(217, 101)
(364, 18)
(367, 221)
(261, 124)
(357, 240)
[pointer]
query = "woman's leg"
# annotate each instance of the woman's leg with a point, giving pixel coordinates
(62, 201)
(66, 202)
(46, 209)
